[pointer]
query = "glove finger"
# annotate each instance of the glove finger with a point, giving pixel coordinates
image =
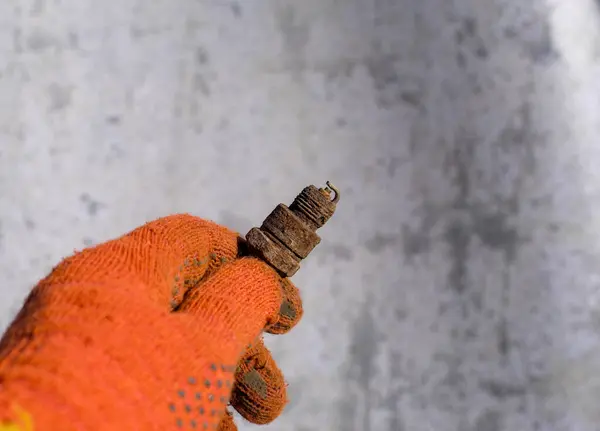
(291, 310)
(237, 302)
(227, 423)
(159, 261)
(259, 392)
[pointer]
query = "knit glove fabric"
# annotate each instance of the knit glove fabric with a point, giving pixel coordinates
(159, 329)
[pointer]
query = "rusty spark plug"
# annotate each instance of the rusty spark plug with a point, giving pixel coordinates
(288, 234)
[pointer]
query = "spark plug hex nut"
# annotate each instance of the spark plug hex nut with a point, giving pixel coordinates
(288, 235)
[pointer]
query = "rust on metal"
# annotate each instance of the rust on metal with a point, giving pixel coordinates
(288, 234)
(265, 246)
(285, 226)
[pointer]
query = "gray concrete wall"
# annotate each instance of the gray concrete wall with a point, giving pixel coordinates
(457, 287)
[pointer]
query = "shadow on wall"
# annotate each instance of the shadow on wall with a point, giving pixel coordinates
(470, 81)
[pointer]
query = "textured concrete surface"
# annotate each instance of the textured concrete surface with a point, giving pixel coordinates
(457, 288)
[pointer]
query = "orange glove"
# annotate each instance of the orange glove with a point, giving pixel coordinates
(157, 330)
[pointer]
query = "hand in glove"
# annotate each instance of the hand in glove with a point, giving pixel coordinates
(157, 330)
